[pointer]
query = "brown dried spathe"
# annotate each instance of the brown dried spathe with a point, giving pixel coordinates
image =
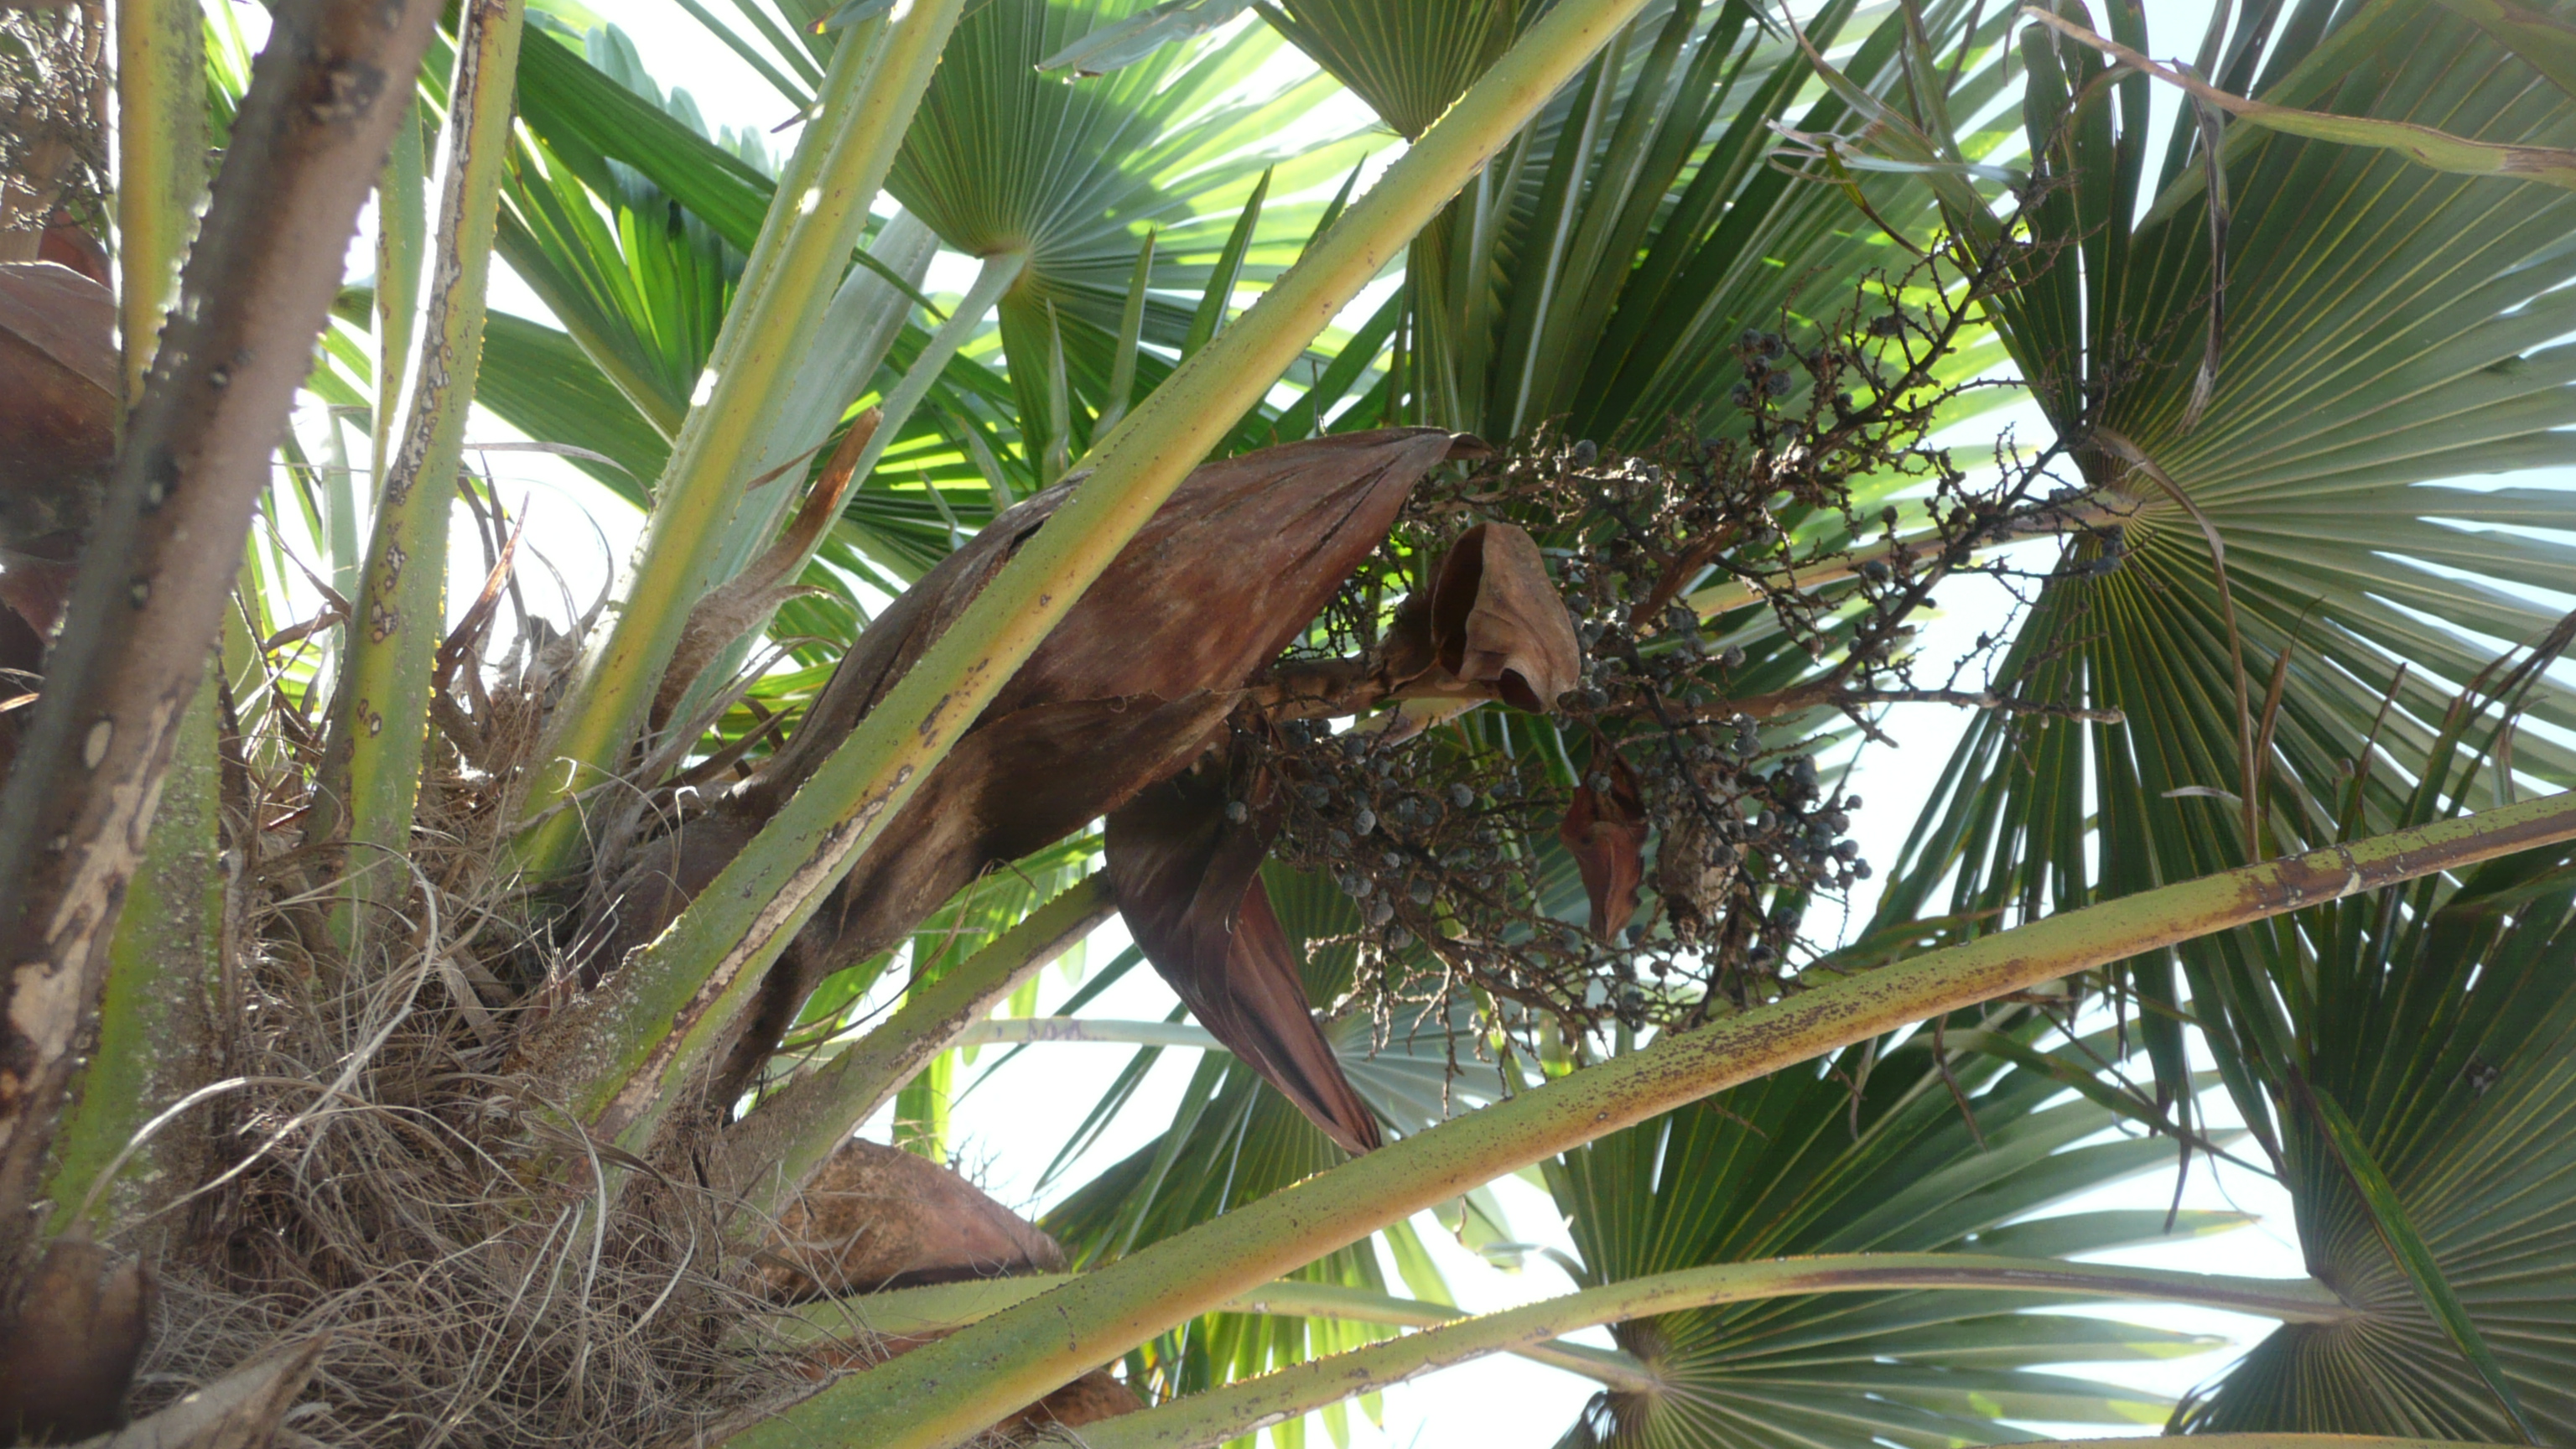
(1605, 831)
(1188, 878)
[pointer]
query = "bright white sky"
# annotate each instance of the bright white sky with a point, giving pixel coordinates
(1007, 1128)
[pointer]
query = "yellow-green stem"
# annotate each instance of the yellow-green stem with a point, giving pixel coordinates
(991, 281)
(2423, 145)
(859, 328)
(1250, 1405)
(371, 764)
(158, 1019)
(921, 1109)
(155, 1022)
(646, 1035)
(402, 234)
(944, 1393)
(160, 164)
(868, 98)
(946, 1307)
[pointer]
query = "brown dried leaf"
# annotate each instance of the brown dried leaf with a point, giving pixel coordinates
(1489, 625)
(1013, 786)
(1089, 1399)
(67, 319)
(36, 590)
(1231, 569)
(69, 1353)
(1605, 830)
(1496, 620)
(877, 1218)
(67, 243)
(821, 507)
(1189, 885)
(718, 619)
(1693, 872)
(478, 616)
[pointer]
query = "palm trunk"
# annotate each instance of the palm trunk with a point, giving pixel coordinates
(161, 1016)
(145, 608)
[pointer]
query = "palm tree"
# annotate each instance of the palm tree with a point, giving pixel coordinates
(458, 1011)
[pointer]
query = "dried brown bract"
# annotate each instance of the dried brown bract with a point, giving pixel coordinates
(877, 1218)
(1489, 626)
(61, 391)
(1185, 858)
(1605, 831)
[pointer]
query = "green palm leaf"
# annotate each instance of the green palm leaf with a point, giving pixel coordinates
(595, 113)
(1002, 159)
(1600, 269)
(2445, 1050)
(541, 381)
(2280, 481)
(631, 223)
(1407, 61)
(1807, 1162)
(2387, 329)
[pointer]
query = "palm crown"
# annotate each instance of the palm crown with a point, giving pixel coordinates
(1434, 608)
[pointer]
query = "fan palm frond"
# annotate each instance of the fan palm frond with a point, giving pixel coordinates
(1865, 1156)
(2286, 520)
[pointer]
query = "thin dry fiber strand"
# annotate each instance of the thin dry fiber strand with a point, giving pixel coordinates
(383, 1203)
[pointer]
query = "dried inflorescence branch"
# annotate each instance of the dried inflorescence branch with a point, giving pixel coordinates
(1643, 849)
